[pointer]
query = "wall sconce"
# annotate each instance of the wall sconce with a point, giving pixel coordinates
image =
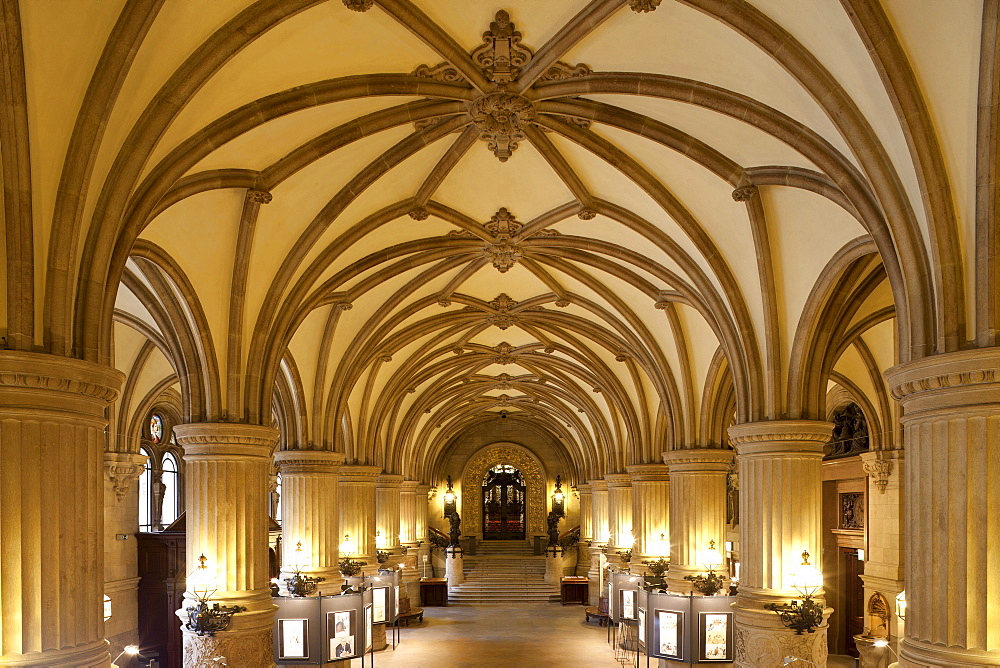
(449, 500)
(901, 605)
(807, 615)
(107, 608)
(710, 583)
(298, 584)
(559, 498)
(349, 567)
(128, 650)
(204, 620)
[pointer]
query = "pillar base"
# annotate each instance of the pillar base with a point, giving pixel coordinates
(914, 654)
(554, 558)
(91, 656)
(762, 641)
(253, 647)
(454, 568)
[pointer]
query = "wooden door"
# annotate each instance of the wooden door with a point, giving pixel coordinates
(504, 501)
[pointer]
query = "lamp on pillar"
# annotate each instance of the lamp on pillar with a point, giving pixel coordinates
(202, 619)
(559, 498)
(808, 614)
(901, 605)
(349, 567)
(710, 583)
(449, 500)
(660, 565)
(298, 584)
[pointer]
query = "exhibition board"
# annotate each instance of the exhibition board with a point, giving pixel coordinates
(688, 629)
(318, 630)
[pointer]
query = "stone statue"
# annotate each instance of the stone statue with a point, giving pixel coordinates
(553, 521)
(455, 529)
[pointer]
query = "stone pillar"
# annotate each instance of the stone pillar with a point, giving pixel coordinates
(780, 516)
(310, 514)
(387, 503)
(454, 568)
(650, 510)
(586, 513)
(620, 511)
(408, 535)
(121, 518)
(599, 511)
(884, 563)
(554, 558)
(951, 432)
(697, 510)
(52, 441)
(422, 504)
(226, 478)
(357, 512)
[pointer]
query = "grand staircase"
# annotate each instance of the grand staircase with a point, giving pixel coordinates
(504, 572)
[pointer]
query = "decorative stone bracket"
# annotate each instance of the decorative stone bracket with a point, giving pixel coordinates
(878, 469)
(122, 473)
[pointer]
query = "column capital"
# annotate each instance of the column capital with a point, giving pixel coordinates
(389, 481)
(618, 480)
(225, 439)
(308, 461)
(648, 472)
(598, 485)
(781, 437)
(967, 379)
(700, 460)
(35, 375)
(122, 469)
(423, 488)
(409, 486)
(584, 488)
(359, 473)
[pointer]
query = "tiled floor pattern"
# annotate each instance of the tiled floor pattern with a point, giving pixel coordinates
(519, 636)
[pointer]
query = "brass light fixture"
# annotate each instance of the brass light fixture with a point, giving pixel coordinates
(901, 605)
(710, 583)
(449, 500)
(349, 567)
(202, 619)
(559, 498)
(298, 584)
(807, 615)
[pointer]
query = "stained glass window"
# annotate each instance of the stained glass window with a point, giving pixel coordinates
(156, 428)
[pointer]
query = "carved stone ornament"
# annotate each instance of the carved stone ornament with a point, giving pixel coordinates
(240, 649)
(640, 6)
(503, 382)
(359, 5)
(878, 470)
(419, 213)
(501, 55)
(587, 214)
(122, 475)
(560, 71)
(503, 255)
(445, 72)
(502, 305)
(562, 303)
(745, 194)
(259, 196)
(503, 224)
(504, 354)
(501, 119)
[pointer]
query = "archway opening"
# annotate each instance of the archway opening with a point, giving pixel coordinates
(503, 499)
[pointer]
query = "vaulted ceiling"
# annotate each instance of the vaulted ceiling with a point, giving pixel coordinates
(619, 224)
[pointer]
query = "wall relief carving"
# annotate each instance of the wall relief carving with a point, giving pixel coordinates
(475, 474)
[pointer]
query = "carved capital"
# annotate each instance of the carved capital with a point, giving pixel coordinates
(122, 470)
(259, 196)
(745, 194)
(878, 467)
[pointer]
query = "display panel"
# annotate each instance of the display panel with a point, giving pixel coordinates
(642, 627)
(341, 629)
(715, 634)
(670, 629)
(293, 638)
(380, 599)
(368, 627)
(628, 603)
(395, 599)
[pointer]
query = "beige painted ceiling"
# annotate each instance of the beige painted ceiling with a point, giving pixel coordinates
(609, 221)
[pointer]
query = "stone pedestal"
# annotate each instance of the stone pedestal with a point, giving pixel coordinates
(387, 508)
(554, 558)
(454, 566)
(310, 514)
(780, 516)
(226, 475)
(871, 656)
(594, 575)
(599, 511)
(650, 511)
(620, 511)
(357, 512)
(951, 432)
(697, 510)
(52, 441)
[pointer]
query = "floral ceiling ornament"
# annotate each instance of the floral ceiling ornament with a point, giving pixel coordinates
(503, 382)
(501, 119)
(503, 255)
(502, 305)
(641, 6)
(745, 194)
(359, 5)
(504, 354)
(419, 213)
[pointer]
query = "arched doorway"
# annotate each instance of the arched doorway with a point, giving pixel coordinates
(504, 504)
(532, 473)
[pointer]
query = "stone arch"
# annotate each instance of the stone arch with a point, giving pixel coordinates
(531, 469)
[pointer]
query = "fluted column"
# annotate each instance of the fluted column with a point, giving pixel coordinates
(310, 514)
(620, 510)
(650, 510)
(52, 440)
(227, 467)
(599, 511)
(951, 432)
(586, 513)
(422, 504)
(780, 516)
(387, 501)
(408, 513)
(697, 509)
(357, 511)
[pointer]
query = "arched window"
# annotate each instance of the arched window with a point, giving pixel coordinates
(277, 505)
(155, 428)
(171, 481)
(145, 497)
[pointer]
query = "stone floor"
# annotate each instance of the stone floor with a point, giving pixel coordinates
(519, 636)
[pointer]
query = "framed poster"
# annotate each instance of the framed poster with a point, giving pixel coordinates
(669, 633)
(341, 630)
(628, 603)
(293, 638)
(368, 627)
(395, 598)
(715, 636)
(642, 627)
(380, 599)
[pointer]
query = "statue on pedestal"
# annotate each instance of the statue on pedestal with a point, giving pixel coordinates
(455, 529)
(553, 521)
